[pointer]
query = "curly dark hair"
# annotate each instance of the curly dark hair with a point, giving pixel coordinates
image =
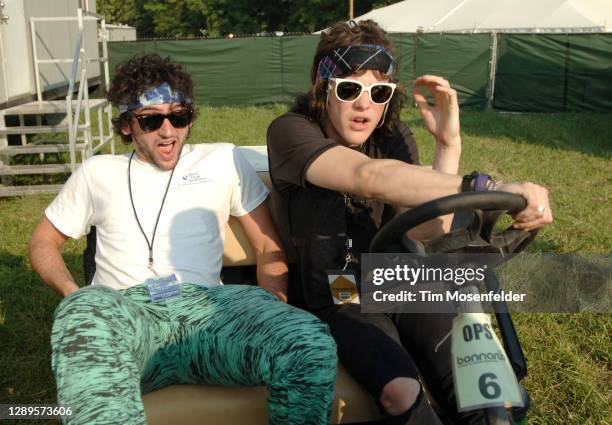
(341, 34)
(140, 73)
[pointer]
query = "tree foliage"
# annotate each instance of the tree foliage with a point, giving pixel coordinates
(194, 18)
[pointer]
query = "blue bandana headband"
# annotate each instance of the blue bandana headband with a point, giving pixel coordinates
(156, 96)
(345, 60)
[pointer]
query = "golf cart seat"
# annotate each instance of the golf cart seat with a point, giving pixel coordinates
(205, 404)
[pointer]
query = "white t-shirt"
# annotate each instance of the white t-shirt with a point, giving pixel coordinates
(210, 182)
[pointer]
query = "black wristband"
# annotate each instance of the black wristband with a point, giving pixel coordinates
(466, 183)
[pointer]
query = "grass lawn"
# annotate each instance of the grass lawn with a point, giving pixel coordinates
(570, 377)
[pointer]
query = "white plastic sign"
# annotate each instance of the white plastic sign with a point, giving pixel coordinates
(482, 372)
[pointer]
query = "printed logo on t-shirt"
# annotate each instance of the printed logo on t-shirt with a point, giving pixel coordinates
(193, 178)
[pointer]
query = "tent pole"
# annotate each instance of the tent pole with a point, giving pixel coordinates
(492, 68)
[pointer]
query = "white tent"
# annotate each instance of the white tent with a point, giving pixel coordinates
(495, 15)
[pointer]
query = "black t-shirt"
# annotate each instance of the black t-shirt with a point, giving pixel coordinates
(321, 220)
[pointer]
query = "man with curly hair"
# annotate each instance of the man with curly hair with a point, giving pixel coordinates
(157, 313)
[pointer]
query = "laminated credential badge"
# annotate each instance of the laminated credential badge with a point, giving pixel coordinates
(343, 286)
(163, 288)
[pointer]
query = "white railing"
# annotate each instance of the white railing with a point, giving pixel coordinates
(79, 69)
(73, 121)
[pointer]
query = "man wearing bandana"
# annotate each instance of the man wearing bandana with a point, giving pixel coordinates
(345, 165)
(156, 313)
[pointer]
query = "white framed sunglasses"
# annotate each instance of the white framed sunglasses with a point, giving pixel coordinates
(347, 90)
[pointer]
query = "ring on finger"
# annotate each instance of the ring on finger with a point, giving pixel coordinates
(541, 209)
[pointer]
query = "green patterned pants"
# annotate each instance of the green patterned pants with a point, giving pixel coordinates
(110, 346)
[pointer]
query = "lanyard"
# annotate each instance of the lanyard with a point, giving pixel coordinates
(149, 244)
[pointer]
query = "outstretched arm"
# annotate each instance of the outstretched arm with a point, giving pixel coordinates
(272, 270)
(46, 258)
(398, 183)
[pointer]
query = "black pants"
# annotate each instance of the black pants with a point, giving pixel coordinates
(376, 348)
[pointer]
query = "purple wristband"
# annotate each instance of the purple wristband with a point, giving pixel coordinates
(480, 182)
(477, 182)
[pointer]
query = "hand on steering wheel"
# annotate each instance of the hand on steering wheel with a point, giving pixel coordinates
(480, 236)
(537, 211)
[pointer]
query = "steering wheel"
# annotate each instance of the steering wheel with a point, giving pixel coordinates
(479, 237)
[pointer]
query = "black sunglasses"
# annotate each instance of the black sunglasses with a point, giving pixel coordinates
(152, 122)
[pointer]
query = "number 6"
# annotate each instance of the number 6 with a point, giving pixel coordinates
(489, 389)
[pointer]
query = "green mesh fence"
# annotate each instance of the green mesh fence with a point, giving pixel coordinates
(461, 59)
(243, 71)
(534, 72)
(555, 72)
